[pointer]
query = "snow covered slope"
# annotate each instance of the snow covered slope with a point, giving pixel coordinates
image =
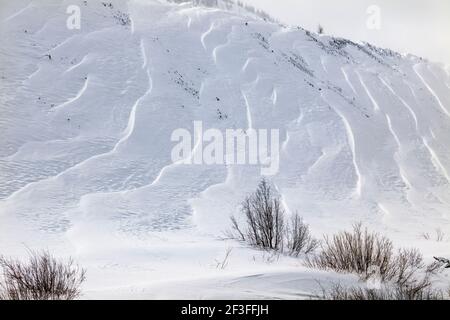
(86, 118)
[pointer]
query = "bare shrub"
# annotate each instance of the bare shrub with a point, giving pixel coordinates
(434, 268)
(265, 225)
(356, 251)
(412, 276)
(270, 257)
(236, 230)
(389, 292)
(360, 251)
(404, 274)
(426, 236)
(42, 277)
(265, 219)
(319, 29)
(440, 235)
(406, 265)
(223, 263)
(299, 239)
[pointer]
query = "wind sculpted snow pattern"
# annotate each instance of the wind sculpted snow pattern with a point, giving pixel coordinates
(86, 118)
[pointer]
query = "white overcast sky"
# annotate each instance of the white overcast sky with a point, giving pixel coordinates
(421, 27)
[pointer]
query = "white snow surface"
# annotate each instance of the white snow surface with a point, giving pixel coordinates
(85, 150)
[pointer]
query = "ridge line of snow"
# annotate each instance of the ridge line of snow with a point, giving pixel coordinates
(435, 159)
(218, 47)
(249, 113)
(132, 118)
(396, 158)
(391, 129)
(31, 76)
(405, 104)
(143, 53)
(29, 6)
(206, 33)
(78, 96)
(431, 90)
(246, 64)
(78, 64)
(323, 64)
(352, 145)
(374, 103)
(127, 132)
(348, 81)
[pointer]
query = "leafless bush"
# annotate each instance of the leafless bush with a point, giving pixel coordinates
(356, 251)
(404, 274)
(265, 225)
(439, 235)
(42, 277)
(426, 236)
(319, 29)
(413, 276)
(271, 257)
(223, 263)
(360, 251)
(434, 268)
(265, 219)
(406, 265)
(299, 238)
(389, 292)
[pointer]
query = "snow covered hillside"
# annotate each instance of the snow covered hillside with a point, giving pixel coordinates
(86, 118)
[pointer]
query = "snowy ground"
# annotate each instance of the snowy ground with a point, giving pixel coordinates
(85, 150)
